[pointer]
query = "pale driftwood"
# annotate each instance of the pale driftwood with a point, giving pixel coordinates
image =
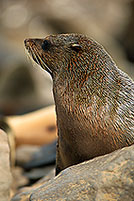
(36, 128)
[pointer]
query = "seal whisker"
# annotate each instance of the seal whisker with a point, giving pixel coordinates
(40, 60)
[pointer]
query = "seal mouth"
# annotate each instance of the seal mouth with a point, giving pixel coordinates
(34, 53)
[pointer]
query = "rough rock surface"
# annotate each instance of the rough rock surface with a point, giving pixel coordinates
(109, 177)
(5, 174)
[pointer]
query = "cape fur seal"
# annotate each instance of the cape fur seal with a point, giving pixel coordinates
(94, 99)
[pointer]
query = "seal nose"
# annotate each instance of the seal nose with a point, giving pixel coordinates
(27, 41)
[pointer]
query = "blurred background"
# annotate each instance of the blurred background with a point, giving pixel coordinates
(24, 87)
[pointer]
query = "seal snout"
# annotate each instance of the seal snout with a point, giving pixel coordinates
(28, 42)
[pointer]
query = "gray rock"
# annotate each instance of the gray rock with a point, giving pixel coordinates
(38, 173)
(5, 174)
(109, 177)
(24, 153)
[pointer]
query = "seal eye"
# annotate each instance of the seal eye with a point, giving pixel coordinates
(46, 45)
(76, 47)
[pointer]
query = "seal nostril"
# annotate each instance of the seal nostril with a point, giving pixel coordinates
(25, 41)
(29, 41)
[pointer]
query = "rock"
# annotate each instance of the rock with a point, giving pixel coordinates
(37, 173)
(49, 176)
(5, 174)
(19, 179)
(109, 177)
(24, 153)
(28, 189)
(11, 138)
(44, 156)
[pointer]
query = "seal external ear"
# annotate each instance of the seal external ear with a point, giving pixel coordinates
(76, 47)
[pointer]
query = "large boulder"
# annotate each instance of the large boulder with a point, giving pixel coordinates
(109, 177)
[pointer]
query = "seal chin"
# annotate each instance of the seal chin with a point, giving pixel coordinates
(34, 53)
